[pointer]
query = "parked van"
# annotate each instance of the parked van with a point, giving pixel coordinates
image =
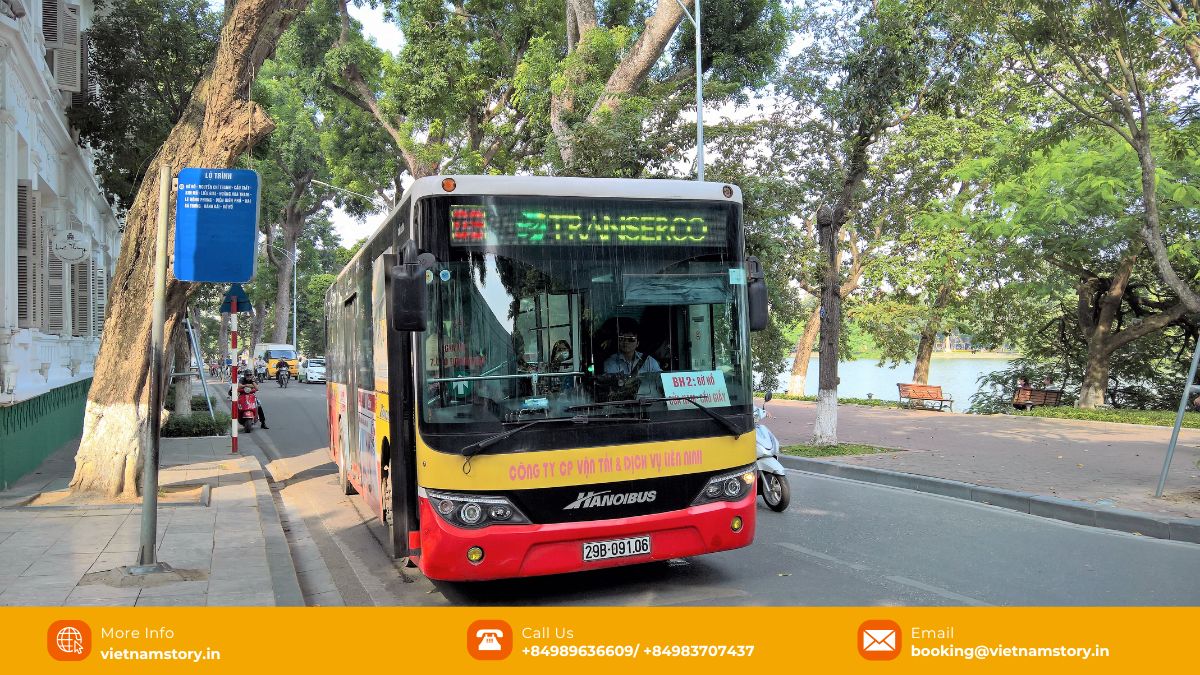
(272, 352)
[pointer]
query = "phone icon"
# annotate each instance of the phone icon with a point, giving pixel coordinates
(489, 640)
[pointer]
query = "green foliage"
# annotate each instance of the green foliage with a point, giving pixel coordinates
(197, 425)
(1161, 418)
(146, 57)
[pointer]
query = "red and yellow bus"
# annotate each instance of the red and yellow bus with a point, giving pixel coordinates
(533, 375)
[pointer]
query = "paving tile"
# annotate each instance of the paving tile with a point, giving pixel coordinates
(110, 560)
(36, 595)
(90, 544)
(100, 591)
(172, 601)
(100, 602)
(177, 588)
(330, 599)
(241, 600)
(66, 565)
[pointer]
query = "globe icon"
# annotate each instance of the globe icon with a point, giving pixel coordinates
(70, 640)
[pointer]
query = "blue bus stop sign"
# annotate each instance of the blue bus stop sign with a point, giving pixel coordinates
(216, 225)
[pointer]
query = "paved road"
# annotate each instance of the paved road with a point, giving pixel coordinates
(841, 543)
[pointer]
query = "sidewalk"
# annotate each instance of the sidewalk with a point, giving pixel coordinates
(1104, 465)
(225, 540)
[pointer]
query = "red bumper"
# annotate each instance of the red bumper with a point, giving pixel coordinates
(534, 550)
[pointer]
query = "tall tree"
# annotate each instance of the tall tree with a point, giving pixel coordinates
(146, 57)
(218, 124)
(1074, 212)
(868, 70)
(1109, 63)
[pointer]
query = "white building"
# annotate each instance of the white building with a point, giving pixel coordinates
(59, 238)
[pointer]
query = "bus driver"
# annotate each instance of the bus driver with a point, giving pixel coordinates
(628, 360)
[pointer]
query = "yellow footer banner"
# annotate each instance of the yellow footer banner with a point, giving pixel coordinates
(600, 640)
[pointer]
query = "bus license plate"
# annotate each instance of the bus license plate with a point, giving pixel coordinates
(615, 548)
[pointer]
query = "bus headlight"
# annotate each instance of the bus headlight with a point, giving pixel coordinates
(726, 487)
(473, 511)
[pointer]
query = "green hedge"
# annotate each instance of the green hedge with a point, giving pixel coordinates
(1161, 418)
(197, 425)
(874, 402)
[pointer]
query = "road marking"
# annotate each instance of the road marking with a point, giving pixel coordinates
(936, 590)
(822, 556)
(913, 583)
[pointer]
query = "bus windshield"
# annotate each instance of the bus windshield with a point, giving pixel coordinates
(545, 308)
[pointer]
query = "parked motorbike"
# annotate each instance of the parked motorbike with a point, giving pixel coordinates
(773, 483)
(247, 406)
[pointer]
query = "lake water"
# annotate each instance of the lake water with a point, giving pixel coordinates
(957, 376)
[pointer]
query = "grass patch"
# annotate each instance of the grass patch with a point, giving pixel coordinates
(834, 450)
(1162, 418)
(873, 402)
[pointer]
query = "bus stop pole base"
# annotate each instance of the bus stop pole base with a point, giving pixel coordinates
(1183, 401)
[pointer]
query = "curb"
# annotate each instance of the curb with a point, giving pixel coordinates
(1080, 513)
(285, 583)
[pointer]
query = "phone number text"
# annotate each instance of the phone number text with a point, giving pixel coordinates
(633, 651)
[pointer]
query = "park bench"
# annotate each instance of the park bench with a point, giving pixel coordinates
(1026, 399)
(923, 393)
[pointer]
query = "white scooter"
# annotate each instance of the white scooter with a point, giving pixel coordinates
(772, 477)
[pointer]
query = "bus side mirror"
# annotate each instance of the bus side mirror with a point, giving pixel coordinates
(756, 294)
(410, 310)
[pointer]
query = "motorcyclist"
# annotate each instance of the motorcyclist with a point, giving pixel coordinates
(260, 368)
(248, 381)
(282, 365)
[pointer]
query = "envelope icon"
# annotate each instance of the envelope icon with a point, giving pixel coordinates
(879, 640)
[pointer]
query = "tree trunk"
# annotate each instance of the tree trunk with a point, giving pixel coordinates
(258, 325)
(804, 349)
(223, 343)
(217, 127)
(283, 288)
(1152, 232)
(183, 384)
(929, 335)
(1095, 374)
(924, 354)
(825, 428)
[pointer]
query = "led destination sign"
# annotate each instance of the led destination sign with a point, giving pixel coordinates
(532, 224)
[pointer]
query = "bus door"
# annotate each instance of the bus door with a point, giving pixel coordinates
(393, 352)
(348, 424)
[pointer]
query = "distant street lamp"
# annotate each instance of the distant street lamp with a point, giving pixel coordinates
(699, 92)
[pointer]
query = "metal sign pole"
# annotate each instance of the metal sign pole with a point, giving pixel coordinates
(1187, 392)
(147, 558)
(199, 362)
(233, 404)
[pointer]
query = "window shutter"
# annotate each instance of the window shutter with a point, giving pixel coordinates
(51, 11)
(81, 299)
(86, 81)
(101, 291)
(55, 287)
(66, 60)
(26, 258)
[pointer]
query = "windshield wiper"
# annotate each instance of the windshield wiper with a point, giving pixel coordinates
(733, 429)
(478, 447)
